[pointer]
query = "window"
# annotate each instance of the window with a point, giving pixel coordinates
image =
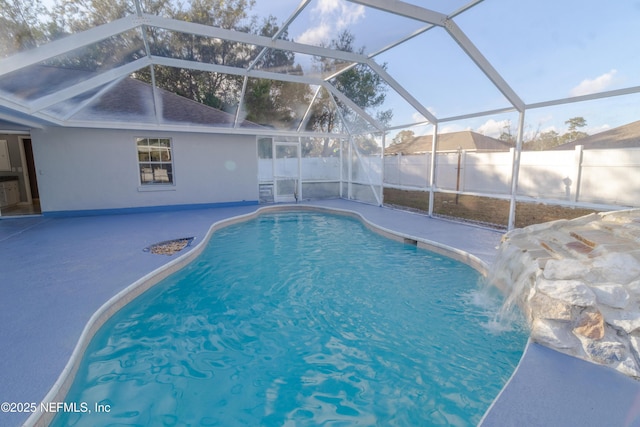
(155, 161)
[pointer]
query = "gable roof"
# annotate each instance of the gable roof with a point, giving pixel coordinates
(626, 136)
(127, 101)
(465, 140)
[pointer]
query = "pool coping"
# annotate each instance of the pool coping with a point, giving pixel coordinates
(61, 387)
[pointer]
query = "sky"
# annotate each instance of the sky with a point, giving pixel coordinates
(543, 49)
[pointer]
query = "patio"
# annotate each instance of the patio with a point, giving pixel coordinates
(58, 271)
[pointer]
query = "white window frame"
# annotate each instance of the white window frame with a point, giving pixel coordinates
(153, 166)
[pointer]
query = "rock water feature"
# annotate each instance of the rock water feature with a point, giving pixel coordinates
(577, 282)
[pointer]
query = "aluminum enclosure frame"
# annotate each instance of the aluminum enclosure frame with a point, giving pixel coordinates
(33, 113)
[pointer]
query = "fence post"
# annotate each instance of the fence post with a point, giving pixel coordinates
(399, 168)
(432, 174)
(463, 168)
(458, 174)
(427, 163)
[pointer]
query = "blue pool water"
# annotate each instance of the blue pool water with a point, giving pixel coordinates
(301, 319)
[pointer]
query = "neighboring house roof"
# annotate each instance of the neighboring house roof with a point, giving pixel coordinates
(129, 99)
(626, 136)
(465, 140)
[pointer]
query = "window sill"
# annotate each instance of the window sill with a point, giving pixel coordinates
(156, 187)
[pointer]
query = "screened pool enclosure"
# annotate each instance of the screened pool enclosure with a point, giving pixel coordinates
(527, 102)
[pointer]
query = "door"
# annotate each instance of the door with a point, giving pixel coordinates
(31, 169)
(286, 171)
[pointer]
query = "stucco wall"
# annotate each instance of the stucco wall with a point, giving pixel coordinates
(88, 169)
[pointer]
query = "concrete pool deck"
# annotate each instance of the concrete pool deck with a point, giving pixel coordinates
(56, 272)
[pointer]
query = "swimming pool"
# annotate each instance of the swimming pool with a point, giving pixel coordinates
(301, 318)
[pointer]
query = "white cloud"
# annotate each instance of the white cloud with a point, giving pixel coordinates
(547, 118)
(333, 16)
(493, 128)
(598, 129)
(417, 118)
(451, 129)
(315, 35)
(327, 6)
(598, 84)
(349, 14)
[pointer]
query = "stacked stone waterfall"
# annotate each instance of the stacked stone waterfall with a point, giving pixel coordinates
(578, 284)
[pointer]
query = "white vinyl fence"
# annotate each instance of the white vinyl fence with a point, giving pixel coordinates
(603, 177)
(607, 177)
(311, 168)
(321, 176)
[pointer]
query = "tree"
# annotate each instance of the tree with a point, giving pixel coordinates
(267, 101)
(403, 137)
(21, 25)
(359, 83)
(575, 123)
(573, 133)
(217, 90)
(507, 133)
(546, 140)
(276, 103)
(74, 16)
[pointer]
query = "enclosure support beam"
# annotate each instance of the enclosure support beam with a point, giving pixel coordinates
(303, 122)
(355, 107)
(235, 71)
(157, 105)
(236, 119)
(299, 195)
(589, 97)
(515, 171)
(476, 56)
(284, 27)
(402, 91)
(89, 84)
(577, 173)
(341, 167)
(251, 39)
(89, 100)
(384, 136)
(366, 171)
(350, 168)
(432, 173)
(22, 121)
(405, 9)
(67, 44)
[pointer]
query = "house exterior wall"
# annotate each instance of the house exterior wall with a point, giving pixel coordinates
(93, 170)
